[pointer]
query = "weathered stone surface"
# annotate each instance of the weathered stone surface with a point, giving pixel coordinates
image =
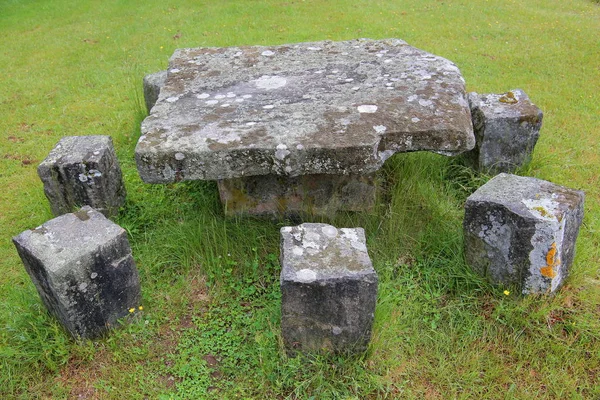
(329, 288)
(521, 231)
(83, 170)
(292, 196)
(152, 84)
(507, 127)
(309, 108)
(82, 267)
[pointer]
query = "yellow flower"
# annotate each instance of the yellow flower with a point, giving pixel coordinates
(131, 310)
(140, 308)
(506, 292)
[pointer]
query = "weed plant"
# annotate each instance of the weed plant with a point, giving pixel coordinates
(209, 327)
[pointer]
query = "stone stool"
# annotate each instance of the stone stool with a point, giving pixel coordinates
(521, 232)
(83, 170)
(152, 84)
(82, 267)
(507, 127)
(329, 289)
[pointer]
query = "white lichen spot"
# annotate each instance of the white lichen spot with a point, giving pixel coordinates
(306, 275)
(425, 103)
(387, 61)
(355, 88)
(179, 156)
(313, 48)
(299, 147)
(348, 80)
(358, 245)
(211, 102)
(172, 99)
(389, 84)
(378, 55)
(96, 153)
(329, 231)
(267, 82)
(297, 251)
(269, 107)
(282, 152)
(335, 71)
(268, 53)
(415, 119)
(247, 96)
(286, 229)
(288, 169)
(220, 96)
(239, 100)
(225, 105)
(412, 98)
(83, 177)
(384, 155)
(93, 275)
(319, 72)
(251, 123)
(336, 330)
(367, 108)
(380, 129)
(83, 287)
(203, 96)
(231, 95)
(175, 70)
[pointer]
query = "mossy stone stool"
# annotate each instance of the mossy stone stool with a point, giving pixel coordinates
(83, 171)
(329, 289)
(82, 267)
(521, 232)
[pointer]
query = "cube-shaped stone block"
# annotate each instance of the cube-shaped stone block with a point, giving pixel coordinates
(83, 170)
(319, 194)
(521, 232)
(152, 84)
(329, 289)
(82, 267)
(506, 127)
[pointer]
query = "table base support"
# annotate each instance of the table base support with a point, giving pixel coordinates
(319, 194)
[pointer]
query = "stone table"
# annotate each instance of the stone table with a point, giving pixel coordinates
(300, 127)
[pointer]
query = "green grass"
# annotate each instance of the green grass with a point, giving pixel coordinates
(210, 323)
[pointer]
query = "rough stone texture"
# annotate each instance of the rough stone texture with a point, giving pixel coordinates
(309, 194)
(329, 289)
(83, 170)
(507, 127)
(521, 232)
(309, 108)
(152, 84)
(82, 267)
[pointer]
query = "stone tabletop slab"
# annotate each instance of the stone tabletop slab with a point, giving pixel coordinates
(308, 108)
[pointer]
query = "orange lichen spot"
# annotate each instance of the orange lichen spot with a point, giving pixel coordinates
(552, 261)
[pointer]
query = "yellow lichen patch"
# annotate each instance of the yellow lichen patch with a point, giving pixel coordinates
(543, 212)
(551, 261)
(508, 98)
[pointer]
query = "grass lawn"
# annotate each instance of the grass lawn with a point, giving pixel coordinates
(209, 327)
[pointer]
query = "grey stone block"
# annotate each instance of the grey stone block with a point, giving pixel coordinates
(303, 195)
(152, 85)
(82, 267)
(507, 127)
(329, 289)
(521, 232)
(83, 170)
